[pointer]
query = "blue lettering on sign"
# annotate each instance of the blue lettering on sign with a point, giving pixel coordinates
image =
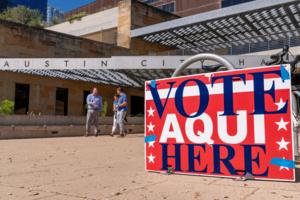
(194, 157)
(226, 161)
(249, 160)
(228, 91)
(204, 98)
(157, 100)
(259, 94)
(166, 156)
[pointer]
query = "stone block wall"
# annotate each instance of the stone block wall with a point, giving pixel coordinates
(20, 41)
(145, 15)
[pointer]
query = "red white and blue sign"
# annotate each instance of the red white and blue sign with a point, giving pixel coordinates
(223, 124)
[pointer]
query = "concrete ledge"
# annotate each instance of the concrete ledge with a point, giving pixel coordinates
(8, 120)
(21, 132)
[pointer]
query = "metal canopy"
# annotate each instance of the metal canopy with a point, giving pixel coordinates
(126, 78)
(89, 75)
(250, 23)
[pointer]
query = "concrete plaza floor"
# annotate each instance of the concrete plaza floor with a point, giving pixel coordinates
(110, 168)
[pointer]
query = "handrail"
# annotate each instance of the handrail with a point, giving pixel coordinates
(200, 57)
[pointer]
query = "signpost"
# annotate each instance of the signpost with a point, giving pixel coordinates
(224, 124)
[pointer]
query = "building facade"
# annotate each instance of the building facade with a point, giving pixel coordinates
(59, 92)
(114, 24)
(190, 7)
(185, 7)
(178, 7)
(54, 15)
(40, 5)
(93, 7)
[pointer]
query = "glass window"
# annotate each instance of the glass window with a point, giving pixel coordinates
(170, 7)
(226, 3)
(150, 1)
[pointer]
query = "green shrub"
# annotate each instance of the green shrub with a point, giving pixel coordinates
(7, 107)
(76, 17)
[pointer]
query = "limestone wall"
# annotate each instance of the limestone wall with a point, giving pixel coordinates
(21, 41)
(145, 15)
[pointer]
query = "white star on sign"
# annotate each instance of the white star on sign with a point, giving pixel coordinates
(150, 112)
(151, 144)
(281, 124)
(150, 127)
(283, 144)
(280, 104)
(283, 167)
(151, 158)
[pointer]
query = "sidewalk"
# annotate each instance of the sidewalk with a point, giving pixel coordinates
(110, 168)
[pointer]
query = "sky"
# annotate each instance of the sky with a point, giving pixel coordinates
(66, 5)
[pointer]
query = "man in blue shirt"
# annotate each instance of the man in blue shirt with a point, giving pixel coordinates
(122, 110)
(94, 106)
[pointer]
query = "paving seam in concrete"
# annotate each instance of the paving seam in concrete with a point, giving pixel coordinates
(28, 172)
(137, 188)
(250, 194)
(38, 198)
(214, 181)
(260, 188)
(65, 194)
(47, 184)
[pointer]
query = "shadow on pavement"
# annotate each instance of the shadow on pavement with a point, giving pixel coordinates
(297, 175)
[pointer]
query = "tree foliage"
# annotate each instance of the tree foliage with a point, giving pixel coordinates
(23, 15)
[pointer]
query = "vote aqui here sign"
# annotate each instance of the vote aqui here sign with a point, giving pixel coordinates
(221, 124)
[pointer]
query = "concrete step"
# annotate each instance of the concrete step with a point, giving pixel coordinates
(21, 132)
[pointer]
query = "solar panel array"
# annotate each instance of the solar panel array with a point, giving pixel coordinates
(253, 27)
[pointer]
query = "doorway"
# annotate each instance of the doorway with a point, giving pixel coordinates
(61, 104)
(22, 98)
(137, 105)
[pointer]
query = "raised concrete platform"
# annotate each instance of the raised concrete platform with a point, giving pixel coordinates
(23, 132)
(110, 168)
(30, 120)
(23, 126)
